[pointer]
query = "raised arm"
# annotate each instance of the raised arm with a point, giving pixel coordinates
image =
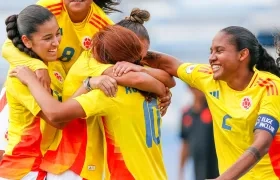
(123, 67)
(163, 61)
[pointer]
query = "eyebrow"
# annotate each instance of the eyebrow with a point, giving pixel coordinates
(50, 34)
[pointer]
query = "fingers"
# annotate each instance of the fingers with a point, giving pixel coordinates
(110, 88)
(122, 70)
(163, 111)
(116, 70)
(103, 88)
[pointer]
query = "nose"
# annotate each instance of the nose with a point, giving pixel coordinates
(56, 41)
(212, 57)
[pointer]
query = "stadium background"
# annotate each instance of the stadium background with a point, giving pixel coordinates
(184, 29)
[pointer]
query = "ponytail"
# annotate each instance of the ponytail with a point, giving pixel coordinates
(14, 35)
(267, 63)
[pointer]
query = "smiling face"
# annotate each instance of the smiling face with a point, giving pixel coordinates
(44, 42)
(77, 6)
(224, 57)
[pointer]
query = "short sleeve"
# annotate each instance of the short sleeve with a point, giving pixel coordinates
(21, 93)
(95, 103)
(196, 75)
(269, 114)
(15, 57)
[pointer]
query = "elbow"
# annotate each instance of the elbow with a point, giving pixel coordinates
(54, 117)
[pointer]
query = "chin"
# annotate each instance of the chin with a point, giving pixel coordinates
(216, 77)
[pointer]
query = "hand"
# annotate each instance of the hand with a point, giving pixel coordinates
(44, 78)
(24, 74)
(165, 102)
(105, 83)
(123, 67)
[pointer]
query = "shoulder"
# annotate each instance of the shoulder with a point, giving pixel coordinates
(55, 6)
(268, 82)
(99, 17)
(16, 88)
(190, 68)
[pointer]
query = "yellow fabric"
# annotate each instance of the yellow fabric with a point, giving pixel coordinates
(75, 36)
(235, 114)
(86, 66)
(132, 129)
(29, 136)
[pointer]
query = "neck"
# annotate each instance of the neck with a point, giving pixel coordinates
(240, 80)
(78, 17)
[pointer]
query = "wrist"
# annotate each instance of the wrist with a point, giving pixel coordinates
(86, 84)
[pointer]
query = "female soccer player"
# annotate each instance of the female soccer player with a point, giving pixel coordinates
(35, 32)
(94, 147)
(241, 85)
(131, 123)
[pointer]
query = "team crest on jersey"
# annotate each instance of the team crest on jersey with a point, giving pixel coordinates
(190, 68)
(58, 76)
(246, 102)
(86, 42)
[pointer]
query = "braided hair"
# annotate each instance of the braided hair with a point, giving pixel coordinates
(26, 23)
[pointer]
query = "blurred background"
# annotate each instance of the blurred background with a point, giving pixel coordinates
(184, 29)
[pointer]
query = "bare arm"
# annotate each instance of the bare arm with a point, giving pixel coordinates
(251, 156)
(160, 75)
(163, 61)
(139, 80)
(53, 111)
(124, 67)
(105, 83)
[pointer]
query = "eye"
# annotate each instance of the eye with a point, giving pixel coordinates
(48, 38)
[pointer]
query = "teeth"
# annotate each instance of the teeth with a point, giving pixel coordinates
(215, 67)
(53, 50)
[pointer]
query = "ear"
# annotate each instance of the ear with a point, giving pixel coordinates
(244, 54)
(26, 41)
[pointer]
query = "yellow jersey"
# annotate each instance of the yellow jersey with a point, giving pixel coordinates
(236, 114)
(76, 37)
(86, 150)
(133, 133)
(29, 135)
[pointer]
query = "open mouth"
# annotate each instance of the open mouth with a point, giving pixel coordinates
(53, 50)
(77, 0)
(215, 68)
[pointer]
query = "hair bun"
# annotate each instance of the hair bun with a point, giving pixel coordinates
(139, 16)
